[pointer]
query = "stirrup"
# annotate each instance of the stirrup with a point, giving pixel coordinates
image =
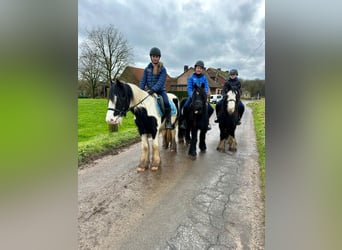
(182, 125)
(168, 125)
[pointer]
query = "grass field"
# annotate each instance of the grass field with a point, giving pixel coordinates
(94, 137)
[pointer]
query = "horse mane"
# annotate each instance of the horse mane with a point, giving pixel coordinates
(202, 92)
(123, 93)
(122, 90)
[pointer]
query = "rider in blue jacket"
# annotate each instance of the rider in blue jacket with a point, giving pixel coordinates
(198, 79)
(154, 79)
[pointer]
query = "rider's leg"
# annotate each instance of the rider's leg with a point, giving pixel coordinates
(218, 111)
(168, 124)
(210, 112)
(241, 110)
(183, 124)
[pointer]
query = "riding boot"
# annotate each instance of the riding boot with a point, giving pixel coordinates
(183, 124)
(168, 124)
(182, 120)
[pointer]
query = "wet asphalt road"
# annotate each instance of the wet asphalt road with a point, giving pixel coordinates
(213, 202)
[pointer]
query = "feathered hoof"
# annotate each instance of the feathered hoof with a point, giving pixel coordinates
(192, 155)
(232, 149)
(204, 149)
(220, 149)
(141, 169)
(155, 165)
(154, 168)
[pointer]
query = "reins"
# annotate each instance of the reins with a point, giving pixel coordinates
(123, 112)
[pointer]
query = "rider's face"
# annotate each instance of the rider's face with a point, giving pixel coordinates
(198, 69)
(155, 59)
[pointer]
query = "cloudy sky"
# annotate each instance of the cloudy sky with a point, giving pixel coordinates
(224, 34)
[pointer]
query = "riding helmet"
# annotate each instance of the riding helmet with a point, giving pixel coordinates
(155, 52)
(199, 63)
(233, 72)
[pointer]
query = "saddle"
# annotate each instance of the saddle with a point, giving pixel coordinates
(161, 106)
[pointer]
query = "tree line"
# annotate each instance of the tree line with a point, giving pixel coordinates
(105, 53)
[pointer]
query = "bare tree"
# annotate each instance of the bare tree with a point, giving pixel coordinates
(90, 68)
(112, 51)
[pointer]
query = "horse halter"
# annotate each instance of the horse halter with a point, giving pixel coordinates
(124, 111)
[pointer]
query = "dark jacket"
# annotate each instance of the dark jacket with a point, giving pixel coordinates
(154, 82)
(233, 84)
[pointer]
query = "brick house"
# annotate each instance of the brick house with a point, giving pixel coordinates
(216, 78)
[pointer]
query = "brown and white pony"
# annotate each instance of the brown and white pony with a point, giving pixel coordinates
(125, 97)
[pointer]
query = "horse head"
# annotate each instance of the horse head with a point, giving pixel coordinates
(119, 100)
(199, 98)
(230, 101)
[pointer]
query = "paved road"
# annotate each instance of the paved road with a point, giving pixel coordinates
(213, 202)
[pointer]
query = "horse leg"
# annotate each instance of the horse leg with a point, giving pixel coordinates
(222, 143)
(144, 159)
(188, 136)
(232, 144)
(155, 154)
(202, 145)
(232, 141)
(173, 145)
(165, 141)
(192, 149)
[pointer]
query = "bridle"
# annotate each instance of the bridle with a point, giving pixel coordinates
(124, 111)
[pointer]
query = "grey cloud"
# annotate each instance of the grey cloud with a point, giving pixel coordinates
(225, 35)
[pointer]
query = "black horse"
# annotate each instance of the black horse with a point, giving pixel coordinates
(196, 117)
(228, 121)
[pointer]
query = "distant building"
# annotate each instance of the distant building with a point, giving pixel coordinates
(216, 78)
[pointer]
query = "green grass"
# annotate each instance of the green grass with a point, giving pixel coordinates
(259, 125)
(94, 138)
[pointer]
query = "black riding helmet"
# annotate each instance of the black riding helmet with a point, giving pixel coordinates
(155, 52)
(199, 63)
(233, 72)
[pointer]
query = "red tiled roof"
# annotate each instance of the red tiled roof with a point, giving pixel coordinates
(216, 78)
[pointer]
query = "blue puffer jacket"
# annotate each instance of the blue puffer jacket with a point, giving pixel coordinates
(154, 82)
(198, 80)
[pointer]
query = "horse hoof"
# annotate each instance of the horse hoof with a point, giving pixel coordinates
(154, 168)
(192, 157)
(141, 169)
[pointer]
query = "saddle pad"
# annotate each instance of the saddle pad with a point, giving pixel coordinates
(173, 108)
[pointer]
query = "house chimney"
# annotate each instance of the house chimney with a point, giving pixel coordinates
(186, 67)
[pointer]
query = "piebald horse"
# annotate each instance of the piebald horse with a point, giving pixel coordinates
(227, 123)
(125, 97)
